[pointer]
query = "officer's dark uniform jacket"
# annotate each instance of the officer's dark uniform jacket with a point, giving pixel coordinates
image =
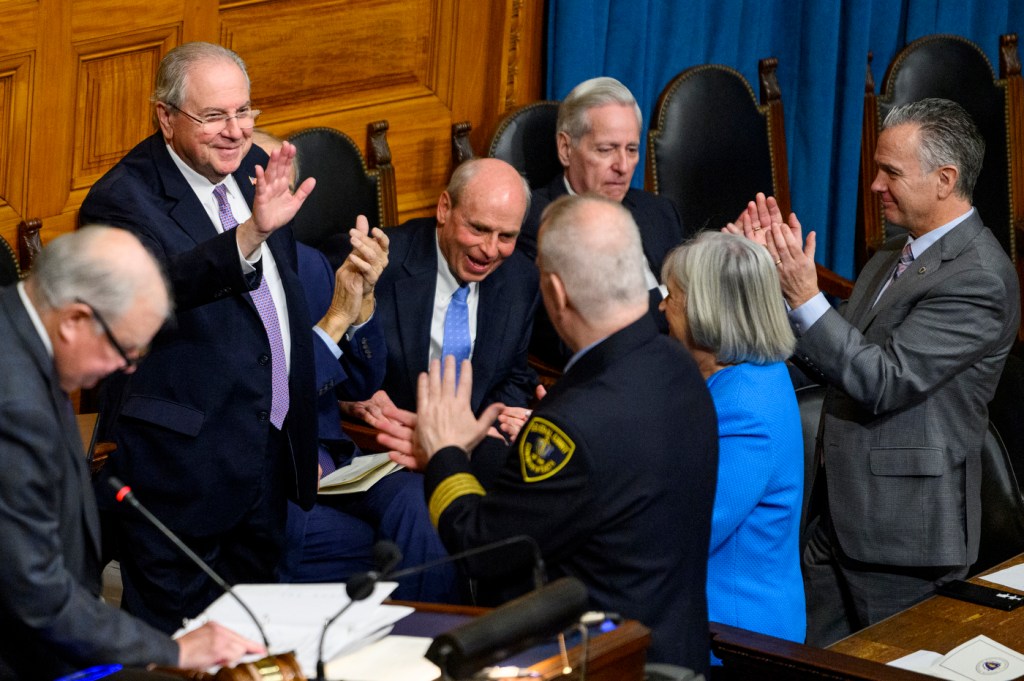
(614, 476)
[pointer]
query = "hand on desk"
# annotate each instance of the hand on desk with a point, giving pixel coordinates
(214, 645)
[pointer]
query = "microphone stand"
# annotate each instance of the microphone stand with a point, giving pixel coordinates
(124, 493)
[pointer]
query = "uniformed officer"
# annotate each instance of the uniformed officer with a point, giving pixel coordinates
(614, 473)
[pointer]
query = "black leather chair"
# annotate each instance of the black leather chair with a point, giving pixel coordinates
(1006, 412)
(10, 272)
(954, 68)
(711, 147)
(348, 184)
(1002, 508)
(524, 138)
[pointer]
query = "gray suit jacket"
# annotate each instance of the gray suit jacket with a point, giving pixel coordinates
(906, 413)
(52, 618)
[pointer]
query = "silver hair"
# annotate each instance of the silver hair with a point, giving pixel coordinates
(948, 136)
(573, 112)
(172, 76)
(734, 304)
(600, 264)
(464, 174)
(76, 266)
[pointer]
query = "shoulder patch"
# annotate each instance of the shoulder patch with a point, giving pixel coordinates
(544, 449)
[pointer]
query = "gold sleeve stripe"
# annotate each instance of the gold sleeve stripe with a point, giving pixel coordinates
(458, 485)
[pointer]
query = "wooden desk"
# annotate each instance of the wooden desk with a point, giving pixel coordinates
(617, 655)
(939, 624)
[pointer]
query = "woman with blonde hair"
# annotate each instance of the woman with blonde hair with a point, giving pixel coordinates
(725, 305)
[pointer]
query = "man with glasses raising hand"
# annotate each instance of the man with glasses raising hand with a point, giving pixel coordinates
(218, 427)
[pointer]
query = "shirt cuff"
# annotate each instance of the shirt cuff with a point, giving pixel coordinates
(329, 342)
(804, 317)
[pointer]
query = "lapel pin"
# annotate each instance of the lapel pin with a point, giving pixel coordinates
(922, 270)
(253, 180)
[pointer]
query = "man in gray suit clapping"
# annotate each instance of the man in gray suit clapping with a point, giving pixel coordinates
(911, 361)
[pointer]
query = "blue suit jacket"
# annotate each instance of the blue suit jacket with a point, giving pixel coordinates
(50, 612)
(509, 296)
(359, 372)
(193, 420)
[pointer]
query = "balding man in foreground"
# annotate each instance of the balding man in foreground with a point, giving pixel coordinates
(90, 307)
(614, 473)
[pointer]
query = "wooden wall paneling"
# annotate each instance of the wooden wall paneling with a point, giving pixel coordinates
(15, 100)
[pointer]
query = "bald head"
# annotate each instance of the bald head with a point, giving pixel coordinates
(592, 245)
(91, 277)
(479, 217)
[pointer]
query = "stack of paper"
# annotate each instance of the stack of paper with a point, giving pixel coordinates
(293, 617)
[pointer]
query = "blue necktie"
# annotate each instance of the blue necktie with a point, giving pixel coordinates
(456, 329)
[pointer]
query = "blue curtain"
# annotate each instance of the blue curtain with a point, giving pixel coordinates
(822, 47)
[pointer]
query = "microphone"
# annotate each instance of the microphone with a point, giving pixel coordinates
(386, 555)
(508, 629)
(124, 493)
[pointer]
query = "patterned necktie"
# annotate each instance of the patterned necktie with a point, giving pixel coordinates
(456, 329)
(268, 313)
(906, 257)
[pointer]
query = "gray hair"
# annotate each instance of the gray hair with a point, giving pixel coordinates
(79, 266)
(734, 304)
(172, 76)
(464, 174)
(601, 263)
(573, 112)
(948, 137)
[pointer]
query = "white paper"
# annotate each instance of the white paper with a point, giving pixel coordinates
(293, 616)
(1012, 577)
(978, 659)
(393, 658)
(358, 476)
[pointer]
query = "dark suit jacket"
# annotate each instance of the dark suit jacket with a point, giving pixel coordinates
(906, 412)
(193, 420)
(614, 477)
(405, 301)
(50, 613)
(661, 230)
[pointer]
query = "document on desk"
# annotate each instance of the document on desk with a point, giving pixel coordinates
(977, 659)
(293, 616)
(393, 658)
(1012, 577)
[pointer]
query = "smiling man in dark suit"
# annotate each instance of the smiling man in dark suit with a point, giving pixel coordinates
(911, 362)
(598, 138)
(469, 245)
(219, 427)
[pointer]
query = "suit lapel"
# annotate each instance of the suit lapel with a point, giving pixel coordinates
(490, 332)
(414, 302)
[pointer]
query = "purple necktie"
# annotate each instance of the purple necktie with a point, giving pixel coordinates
(906, 257)
(268, 313)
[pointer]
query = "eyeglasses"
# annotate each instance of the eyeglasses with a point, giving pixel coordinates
(213, 123)
(129, 361)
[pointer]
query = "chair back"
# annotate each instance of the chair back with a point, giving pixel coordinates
(712, 147)
(953, 68)
(809, 400)
(10, 273)
(347, 186)
(525, 139)
(1002, 508)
